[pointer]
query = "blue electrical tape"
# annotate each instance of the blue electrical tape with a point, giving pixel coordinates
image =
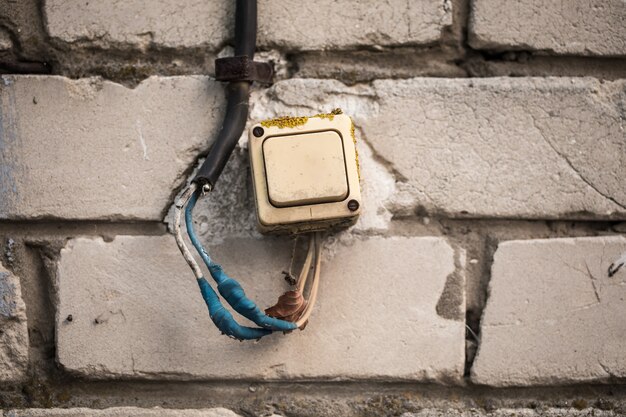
(230, 289)
(223, 319)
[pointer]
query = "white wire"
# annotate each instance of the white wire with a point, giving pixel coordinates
(178, 211)
(304, 318)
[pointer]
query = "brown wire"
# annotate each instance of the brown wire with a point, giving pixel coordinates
(314, 285)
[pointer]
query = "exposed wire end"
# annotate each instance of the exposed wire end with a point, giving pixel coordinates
(617, 265)
(288, 275)
(206, 188)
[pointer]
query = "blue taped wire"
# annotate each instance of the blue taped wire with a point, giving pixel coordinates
(220, 316)
(229, 288)
(232, 291)
(223, 319)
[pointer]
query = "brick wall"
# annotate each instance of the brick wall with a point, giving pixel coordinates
(492, 137)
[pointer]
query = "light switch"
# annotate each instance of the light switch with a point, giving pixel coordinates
(305, 168)
(305, 173)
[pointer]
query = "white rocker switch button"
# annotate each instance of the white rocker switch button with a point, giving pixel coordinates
(304, 169)
(305, 173)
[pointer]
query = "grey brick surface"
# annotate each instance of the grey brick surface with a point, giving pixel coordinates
(217, 412)
(553, 315)
(292, 24)
(376, 316)
(13, 329)
(93, 149)
(572, 27)
(120, 412)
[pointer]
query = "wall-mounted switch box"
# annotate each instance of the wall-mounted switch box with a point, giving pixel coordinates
(305, 173)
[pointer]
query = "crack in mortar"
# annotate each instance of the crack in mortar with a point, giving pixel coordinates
(473, 319)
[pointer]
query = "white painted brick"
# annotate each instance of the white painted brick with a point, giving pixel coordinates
(290, 24)
(498, 147)
(13, 329)
(329, 24)
(92, 149)
(579, 27)
(502, 147)
(553, 315)
(190, 23)
(120, 412)
(376, 316)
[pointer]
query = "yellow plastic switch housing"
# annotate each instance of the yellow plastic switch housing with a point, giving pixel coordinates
(305, 173)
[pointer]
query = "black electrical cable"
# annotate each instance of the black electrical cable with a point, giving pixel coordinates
(245, 28)
(238, 96)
